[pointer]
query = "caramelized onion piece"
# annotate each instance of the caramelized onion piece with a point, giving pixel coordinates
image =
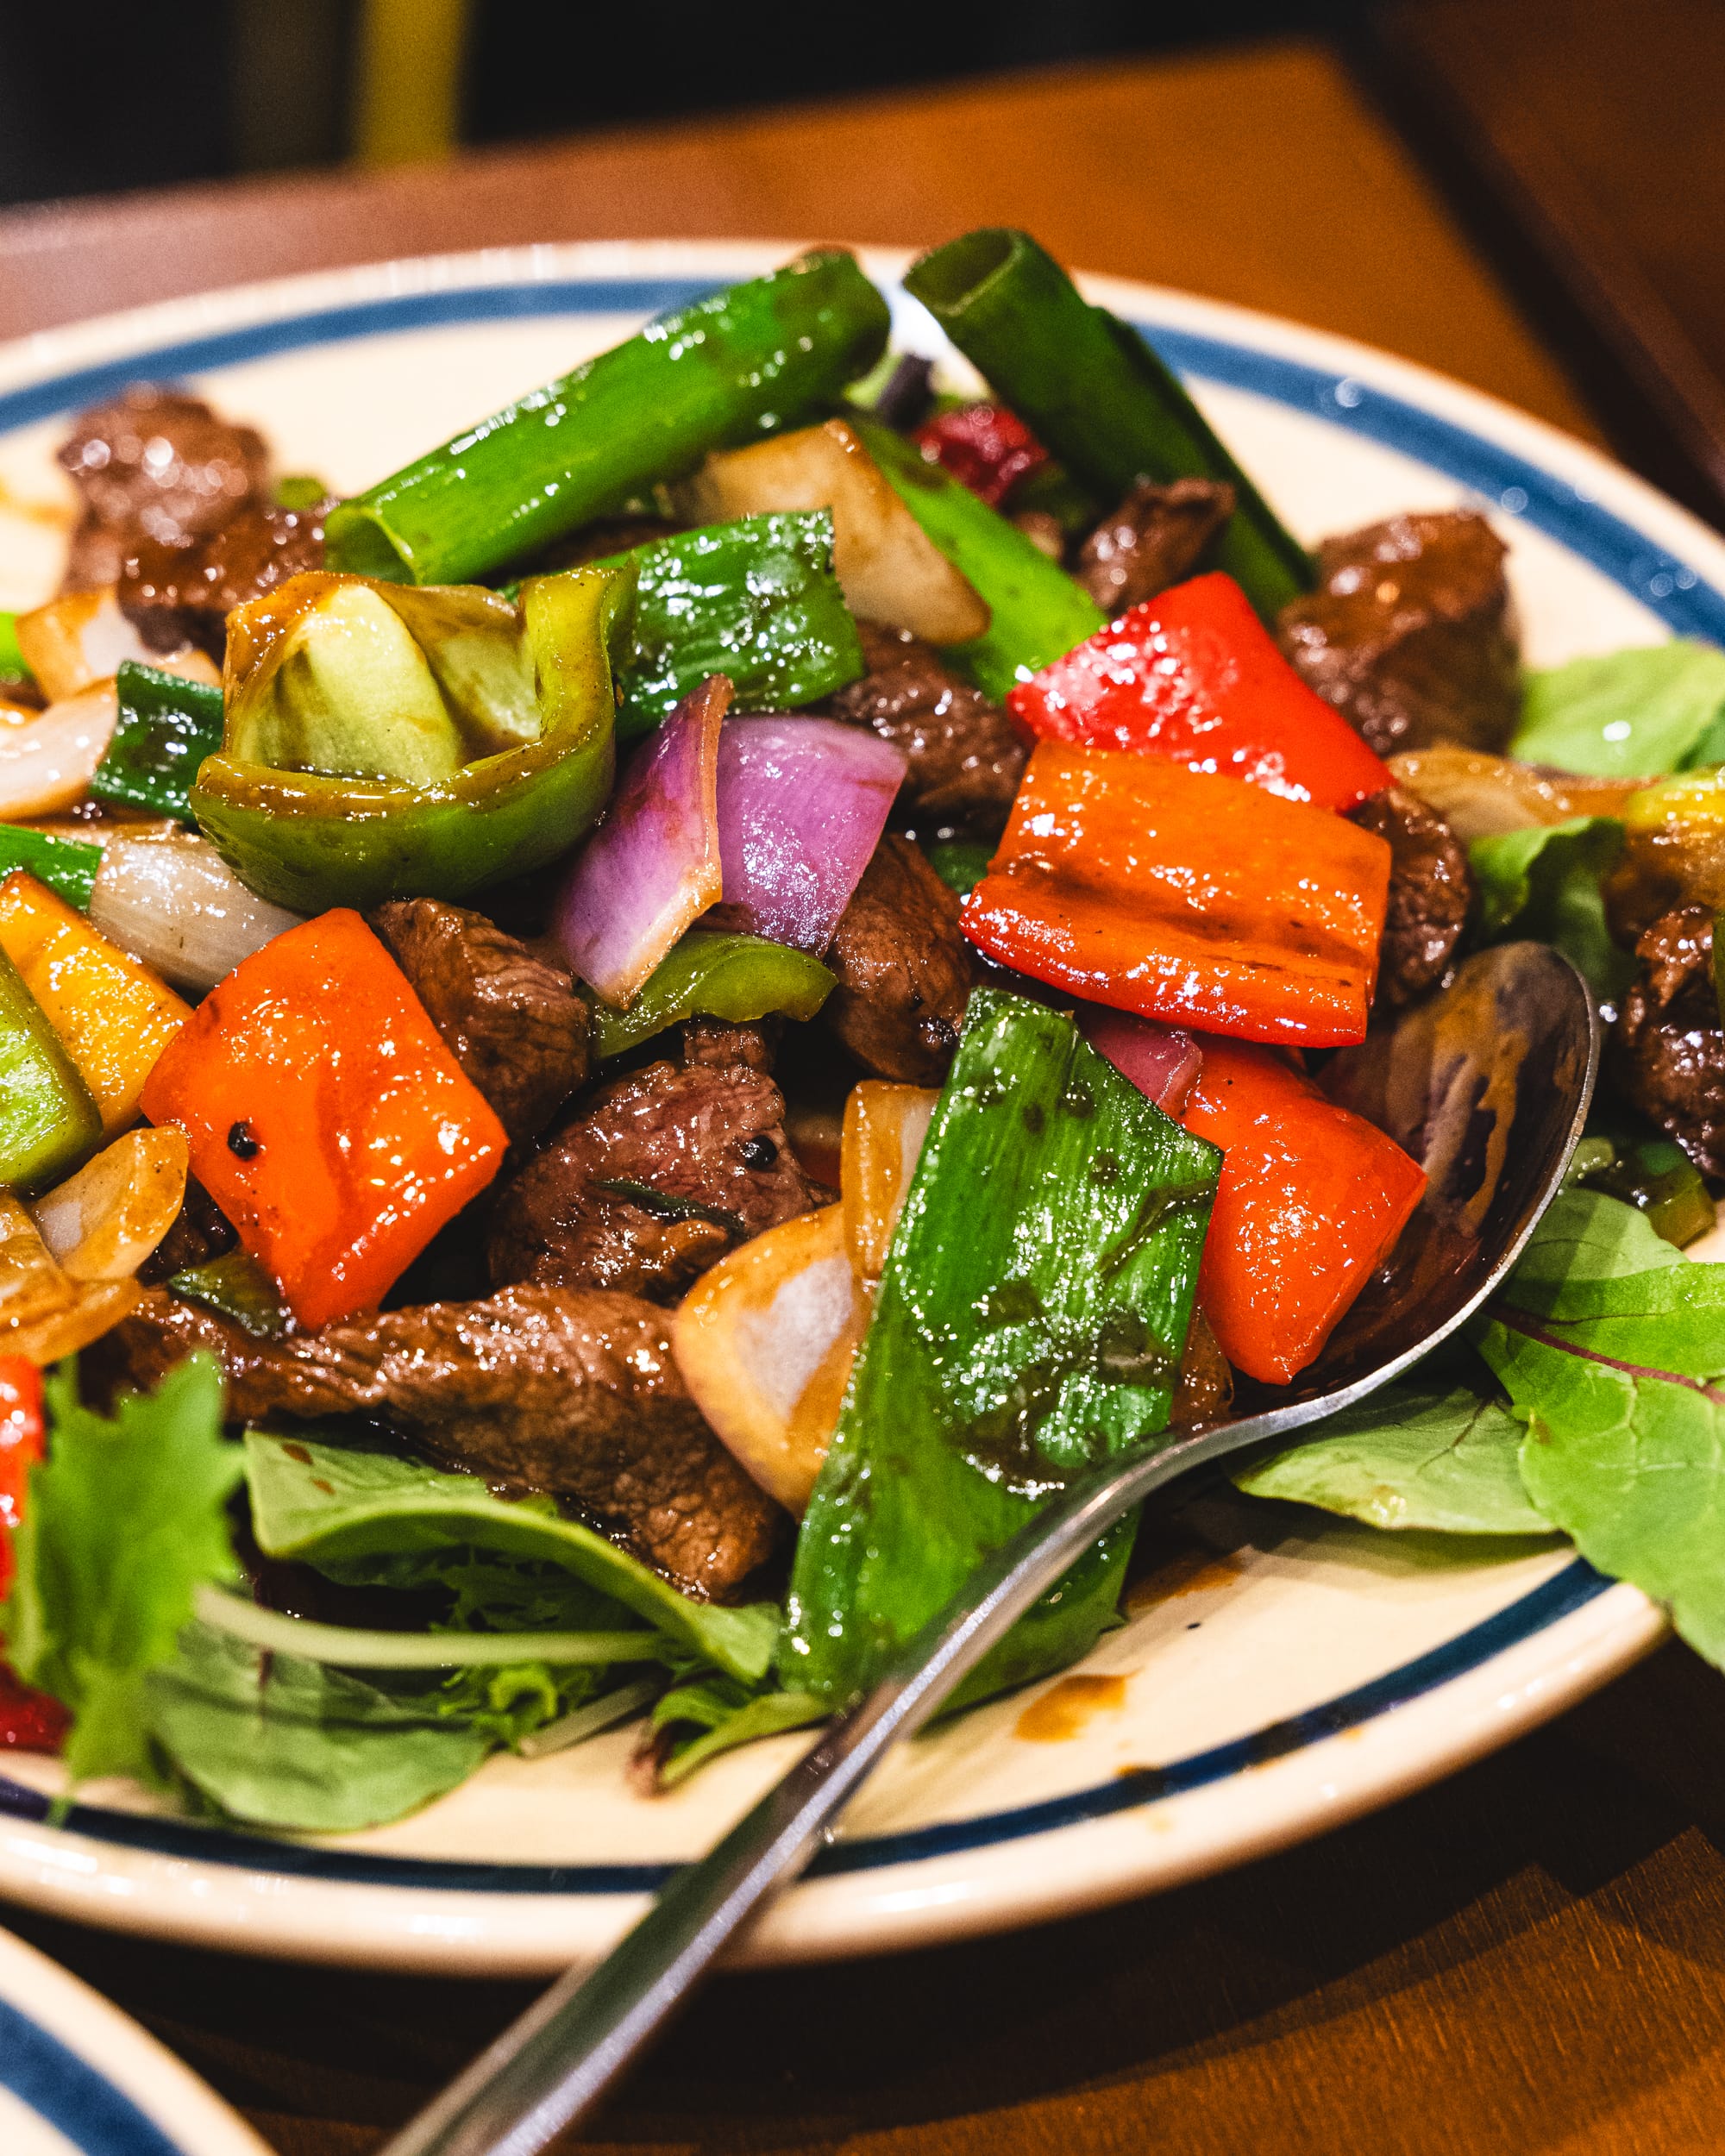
(103, 1222)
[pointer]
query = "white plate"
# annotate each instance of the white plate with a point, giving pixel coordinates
(77, 2078)
(1303, 1673)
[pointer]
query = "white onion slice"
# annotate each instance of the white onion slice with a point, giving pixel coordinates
(47, 759)
(82, 637)
(171, 900)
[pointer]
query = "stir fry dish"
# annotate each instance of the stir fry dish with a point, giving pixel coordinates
(621, 1052)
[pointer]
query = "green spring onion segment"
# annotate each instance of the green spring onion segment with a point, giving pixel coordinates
(734, 367)
(1095, 395)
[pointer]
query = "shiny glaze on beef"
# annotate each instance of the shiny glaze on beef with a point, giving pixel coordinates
(510, 1017)
(905, 970)
(1431, 888)
(658, 1174)
(965, 755)
(1155, 538)
(1410, 634)
(182, 593)
(546, 1389)
(1667, 1048)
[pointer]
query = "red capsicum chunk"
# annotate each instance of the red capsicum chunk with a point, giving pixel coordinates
(21, 1447)
(30, 1721)
(325, 1115)
(1195, 676)
(1312, 1198)
(985, 447)
(1185, 898)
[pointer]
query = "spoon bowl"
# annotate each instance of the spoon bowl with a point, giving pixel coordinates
(1487, 1085)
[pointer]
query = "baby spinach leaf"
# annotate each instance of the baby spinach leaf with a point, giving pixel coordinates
(275, 1741)
(333, 1506)
(1544, 881)
(1426, 1455)
(123, 1523)
(696, 1722)
(1611, 1362)
(1629, 715)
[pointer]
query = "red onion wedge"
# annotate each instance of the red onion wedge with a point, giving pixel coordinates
(802, 802)
(652, 865)
(1162, 1060)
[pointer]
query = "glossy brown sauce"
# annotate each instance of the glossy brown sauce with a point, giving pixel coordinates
(1066, 1710)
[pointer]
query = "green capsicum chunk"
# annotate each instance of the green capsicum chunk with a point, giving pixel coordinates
(1095, 395)
(67, 866)
(1037, 613)
(168, 725)
(729, 368)
(738, 978)
(1658, 1178)
(756, 600)
(235, 1286)
(1013, 1344)
(48, 1121)
(309, 839)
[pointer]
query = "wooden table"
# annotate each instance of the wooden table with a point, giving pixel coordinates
(1530, 1957)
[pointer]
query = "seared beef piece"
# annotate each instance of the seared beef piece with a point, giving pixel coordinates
(1152, 540)
(512, 1020)
(548, 1388)
(661, 1173)
(181, 594)
(1205, 1388)
(1431, 887)
(717, 1045)
(201, 1230)
(156, 465)
(1409, 634)
(965, 754)
(1668, 1045)
(905, 972)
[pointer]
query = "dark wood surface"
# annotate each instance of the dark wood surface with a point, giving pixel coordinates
(1530, 1956)
(1586, 142)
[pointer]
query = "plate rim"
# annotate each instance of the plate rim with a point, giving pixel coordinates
(822, 1918)
(97, 2075)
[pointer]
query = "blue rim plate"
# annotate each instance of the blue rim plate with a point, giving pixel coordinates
(76, 2074)
(1307, 1672)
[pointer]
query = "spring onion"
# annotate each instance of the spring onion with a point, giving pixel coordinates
(68, 866)
(726, 370)
(1014, 1343)
(168, 726)
(1036, 611)
(1095, 394)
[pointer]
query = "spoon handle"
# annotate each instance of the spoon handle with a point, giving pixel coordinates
(548, 2069)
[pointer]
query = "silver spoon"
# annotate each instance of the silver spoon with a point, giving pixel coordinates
(1487, 1085)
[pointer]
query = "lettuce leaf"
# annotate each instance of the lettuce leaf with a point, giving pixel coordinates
(1545, 882)
(696, 1722)
(342, 1508)
(1610, 1345)
(272, 1741)
(1427, 1454)
(1630, 715)
(124, 1521)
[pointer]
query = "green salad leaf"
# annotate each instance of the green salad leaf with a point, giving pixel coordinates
(1630, 715)
(1430, 1455)
(272, 1741)
(1610, 1345)
(1545, 882)
(338, 1506)
(694, 1722)
(123, 1521)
